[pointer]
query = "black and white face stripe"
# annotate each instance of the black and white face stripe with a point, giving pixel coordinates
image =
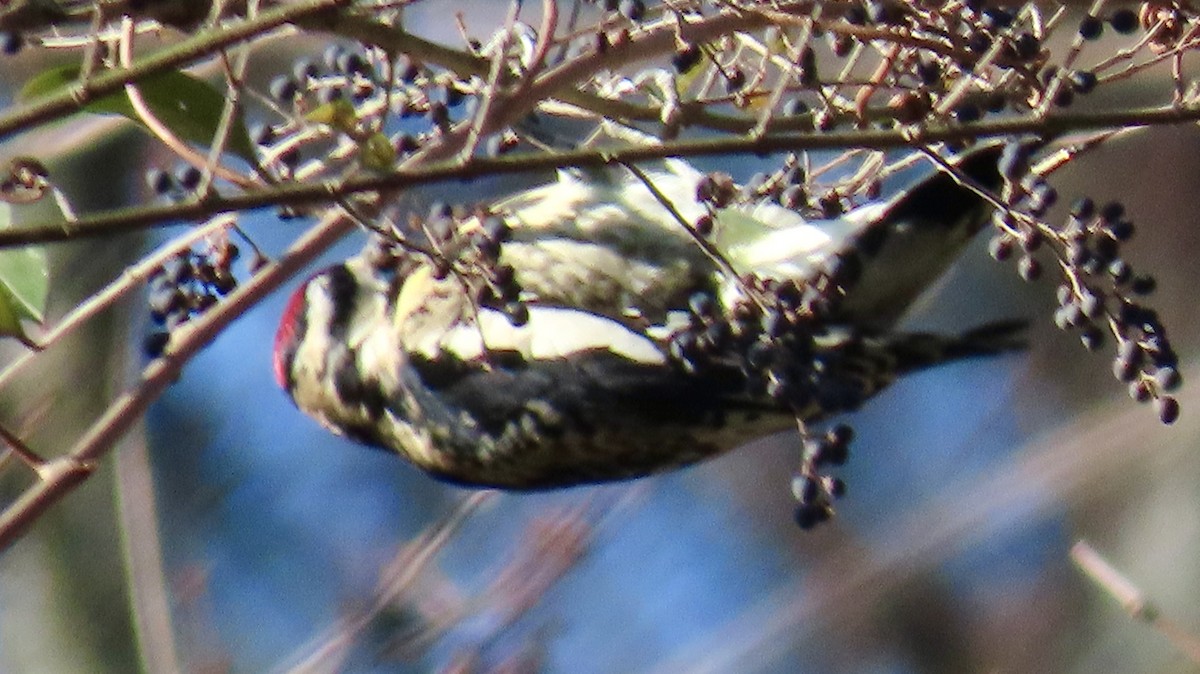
(323, 329)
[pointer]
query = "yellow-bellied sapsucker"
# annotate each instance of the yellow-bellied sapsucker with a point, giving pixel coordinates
(631, 343)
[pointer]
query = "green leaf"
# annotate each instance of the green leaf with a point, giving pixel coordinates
(339, 113)
(10, 322)
(188, 106)
(377, 153)
(24, 283)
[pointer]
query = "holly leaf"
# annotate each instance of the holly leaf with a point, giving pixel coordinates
(188, 106)
(24, 283)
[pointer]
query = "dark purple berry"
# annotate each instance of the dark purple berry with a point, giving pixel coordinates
(159, 181)
(634, 10)
(283, 88)
(1026, 46)
(1000, 247)
(1124, 20)
(1167, 379)
(1167, 408)
(1090, 28)
(1112, 212)
(188, 177)
(304, 70)
(929, 72)
(1140, 391)
(11, 42)
(155, 343)
(1083, 81)
(1083, 208)
(1143, 285)
(685, 59)
(1029, 268)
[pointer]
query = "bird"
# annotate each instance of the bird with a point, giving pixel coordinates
(628, 345)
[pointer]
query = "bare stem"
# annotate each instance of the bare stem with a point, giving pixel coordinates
(1132, 599)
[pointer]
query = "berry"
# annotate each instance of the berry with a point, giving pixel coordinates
(304, 70)
(1167, 408)
(1143, 285)
(1083, 208)
(1014, 161)
(686, 58)
(331, 55)
(1000, 247)
(159, 181)
(1083, 81)
(353, 63)
(795, 107)
(1124, 20)
(1029, 268)
(262, 134)
(1112, 211)
(406, 69)
(10, 42)
(634, 10)
(155, 343)
(1090, 28)
(1064, 97)
(283, 88)
(1121, 230)
(966, 113)
(188, 177)
(1026, 46)
(978, 42)
(735, 79)
(1092, 338)
(808, 516)
(1124, 370)
(1167, 379)
(929, 72)
(997, 17)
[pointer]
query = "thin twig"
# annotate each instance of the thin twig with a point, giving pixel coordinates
(63, 474)
(107, 296)
(852, 580)
(72, 98)
(157, 127)
(298, 194)
(705, 245)
(396, 579)
(1132, 599)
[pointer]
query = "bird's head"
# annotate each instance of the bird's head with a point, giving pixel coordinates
(325, 327)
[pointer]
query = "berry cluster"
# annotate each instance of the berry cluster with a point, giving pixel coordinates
(634, 10)
(1100, 290)
(814, 492)
(779, 340)
(458, 242)
(387, 108)
(790, 186)
(186, 286)
(175, 185)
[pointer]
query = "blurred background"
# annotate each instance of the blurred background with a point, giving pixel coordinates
(255, 541)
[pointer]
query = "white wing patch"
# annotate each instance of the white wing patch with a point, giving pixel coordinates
(550, 333)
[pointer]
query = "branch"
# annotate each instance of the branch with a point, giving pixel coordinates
(1132, 599)
(63, 474)
(299, 194)
(74, 97)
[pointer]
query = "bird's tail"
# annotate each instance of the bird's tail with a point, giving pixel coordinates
(916, 351)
